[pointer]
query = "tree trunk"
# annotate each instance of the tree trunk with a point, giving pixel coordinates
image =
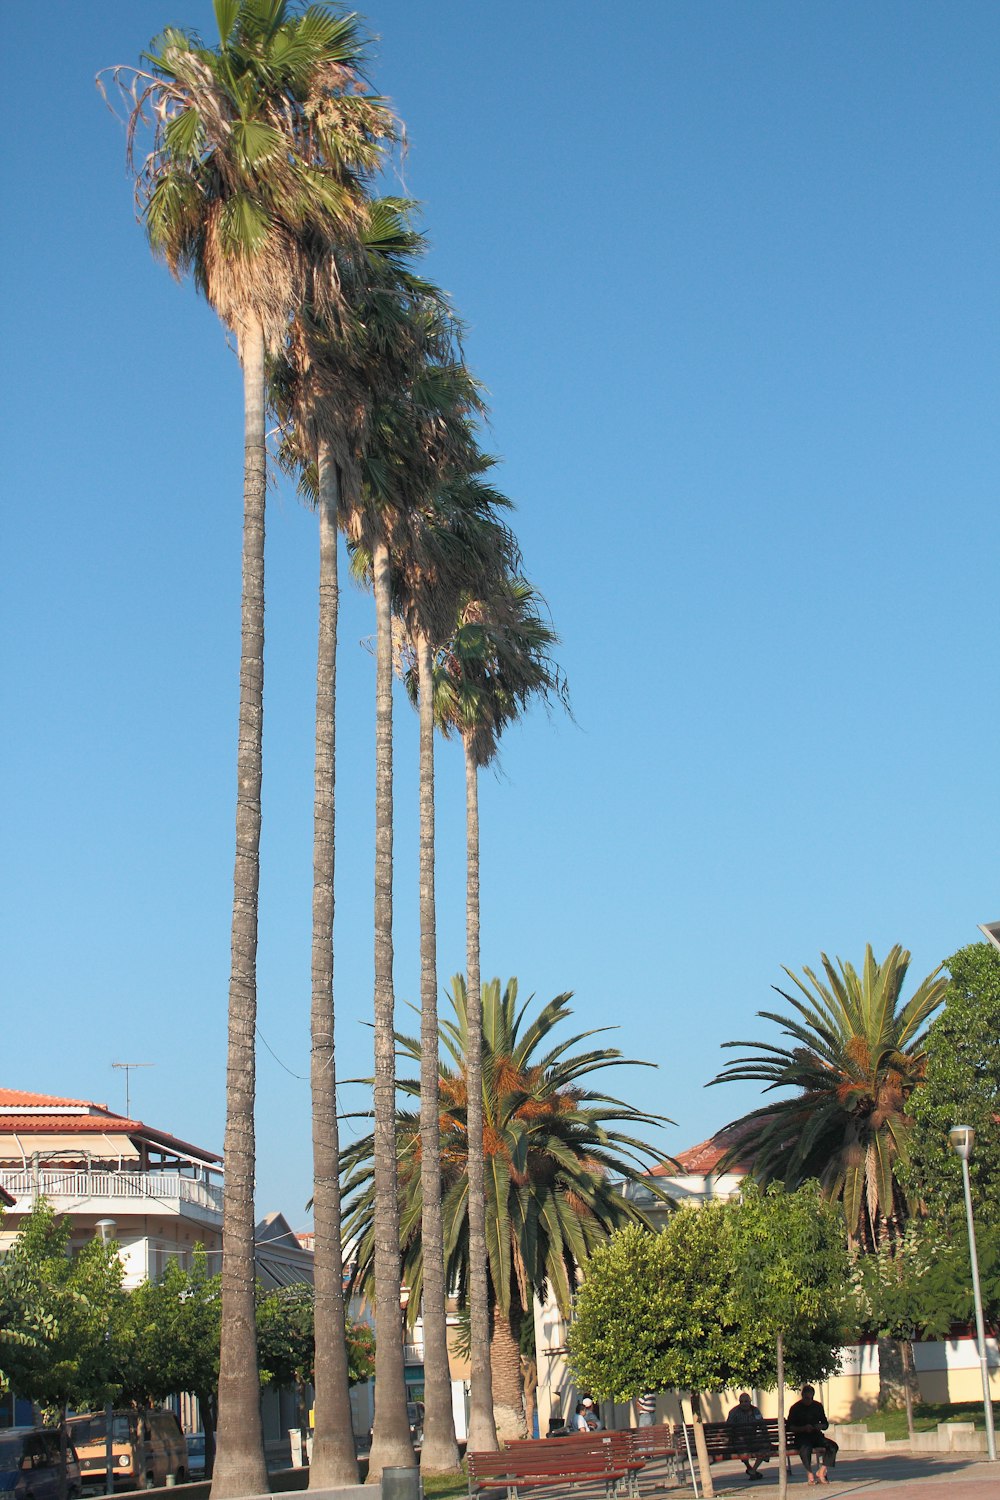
(334, 1461)
(910, 1385)
(391, 1446)
(701, 1447)
(207, 1413)
(508, 1390)
(782, 1435)
(482, 1424)
(529, 1382)
(63, 1485)
(891, 1374)
(440, 1446)
(240, 1467)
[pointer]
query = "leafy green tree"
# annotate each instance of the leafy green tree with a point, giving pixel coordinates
(897, 1289)
(961, 1087)
(25, 1318)
(554, 1147)
(167, 1340)
(790, 1277)
(260, 146)
(71, 1297)
(286, 1341)
(655, 1312)
(857, 1055)
(715, 1299)
(286, 1336)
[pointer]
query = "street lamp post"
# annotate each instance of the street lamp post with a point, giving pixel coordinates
(962, 1138)
(106, 1229)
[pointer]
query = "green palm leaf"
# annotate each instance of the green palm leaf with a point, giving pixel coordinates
(856, 1057)
(555, 1153)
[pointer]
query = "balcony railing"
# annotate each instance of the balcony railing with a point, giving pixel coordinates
(170, 1189)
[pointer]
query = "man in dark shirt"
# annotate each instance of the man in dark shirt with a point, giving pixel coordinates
(748, 1438)
(807, 1423)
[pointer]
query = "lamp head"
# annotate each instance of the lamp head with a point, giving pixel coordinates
(962, 1138)
(106, 1229)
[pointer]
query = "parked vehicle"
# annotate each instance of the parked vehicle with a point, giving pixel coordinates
(30, 1465)
(196, 1455)
(146, 1447)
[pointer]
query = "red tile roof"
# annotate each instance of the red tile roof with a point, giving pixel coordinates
(703, 1160)
(12, 1097)
(42, 1124)
(44, 1115)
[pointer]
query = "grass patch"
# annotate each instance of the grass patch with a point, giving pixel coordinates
(926, 1415)
(446, 1486)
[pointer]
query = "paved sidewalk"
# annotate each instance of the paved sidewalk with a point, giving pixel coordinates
(893, 1477)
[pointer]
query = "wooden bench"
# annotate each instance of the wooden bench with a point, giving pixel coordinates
(547, 1465)
(658, 1441)
(723, 1443)
(612, 1447)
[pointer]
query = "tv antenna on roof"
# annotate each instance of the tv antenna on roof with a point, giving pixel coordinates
(127, 1066)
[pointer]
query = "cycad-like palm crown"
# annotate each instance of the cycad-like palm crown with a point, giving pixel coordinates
(856, 1055)
(554, 1152)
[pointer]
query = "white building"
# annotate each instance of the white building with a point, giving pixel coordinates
(89, 1163)
(164, 1196)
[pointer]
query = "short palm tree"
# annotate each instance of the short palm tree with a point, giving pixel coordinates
(258, 144)
(554, 1155)
(855, 1057)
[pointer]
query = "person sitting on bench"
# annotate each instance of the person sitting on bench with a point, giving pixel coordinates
(748, 1436)
(807, 1423)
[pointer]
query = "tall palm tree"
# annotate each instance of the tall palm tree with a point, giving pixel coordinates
(323, 390)
(497, 660)
(249, 157)
(460, 541)
(857, 1054)
(416, 432)
(554, 1150)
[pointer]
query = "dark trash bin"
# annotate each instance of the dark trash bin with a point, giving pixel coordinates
(401, 1484)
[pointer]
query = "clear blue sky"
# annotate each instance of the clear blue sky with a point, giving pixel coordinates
(730, 276)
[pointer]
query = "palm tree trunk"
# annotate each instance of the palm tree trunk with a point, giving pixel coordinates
(391, 1444)
(240, 1467)
(482, 1423)
(440, 1447)
(508, 1387)
(334, 1461)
